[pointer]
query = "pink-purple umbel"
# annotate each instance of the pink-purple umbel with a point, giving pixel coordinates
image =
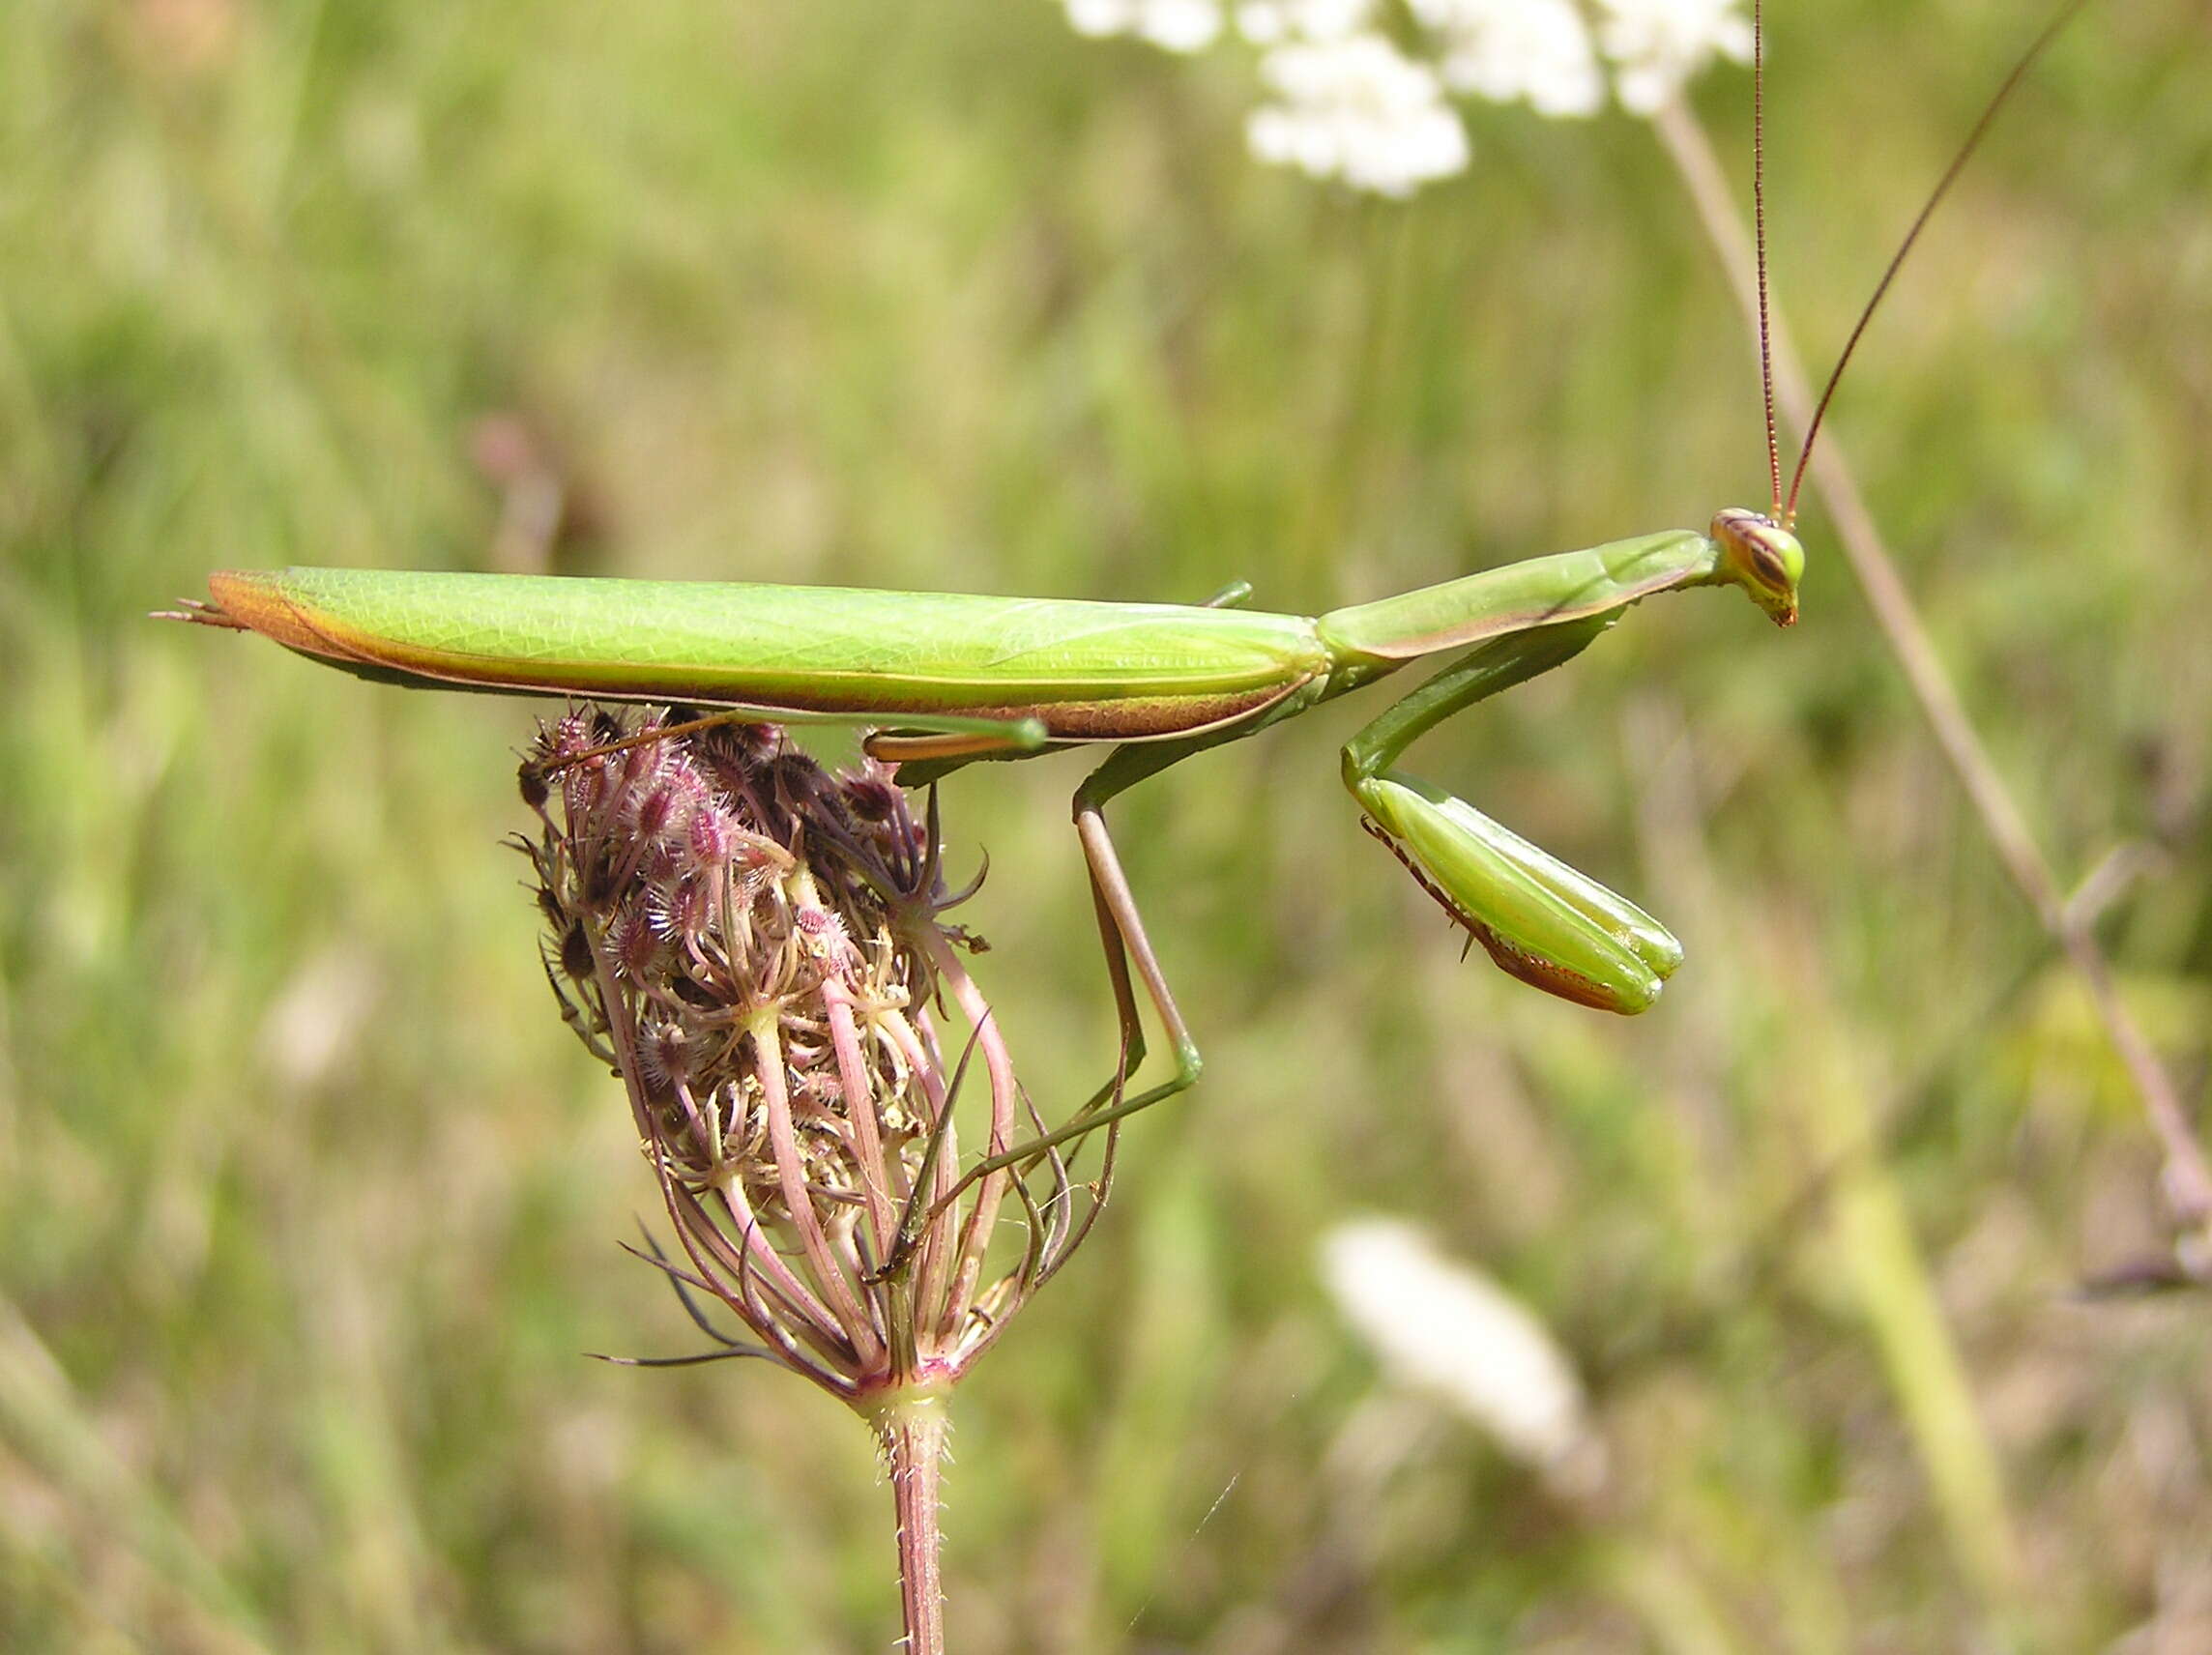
(757, 948)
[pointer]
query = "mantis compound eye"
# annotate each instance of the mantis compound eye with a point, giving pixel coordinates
(1763, 558)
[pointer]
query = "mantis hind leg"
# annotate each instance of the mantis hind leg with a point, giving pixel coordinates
(1539, 919)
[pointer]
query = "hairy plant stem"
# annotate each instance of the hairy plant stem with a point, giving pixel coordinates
(913, 1427)
(2188, 1179)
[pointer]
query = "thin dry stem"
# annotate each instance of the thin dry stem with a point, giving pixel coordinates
(2188, 1179)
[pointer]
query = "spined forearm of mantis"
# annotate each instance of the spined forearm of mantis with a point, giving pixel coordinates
(943, 679)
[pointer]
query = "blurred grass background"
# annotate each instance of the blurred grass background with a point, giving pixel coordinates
(311, 1206)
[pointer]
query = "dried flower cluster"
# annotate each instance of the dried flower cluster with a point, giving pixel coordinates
(1349, 98)
(756, 947)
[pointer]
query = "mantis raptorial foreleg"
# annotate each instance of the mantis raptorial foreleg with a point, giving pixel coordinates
(1540, 920)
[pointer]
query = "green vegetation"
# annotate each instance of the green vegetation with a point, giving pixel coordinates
(311, 1205)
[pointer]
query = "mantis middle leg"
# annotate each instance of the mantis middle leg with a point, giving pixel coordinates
(1121, 938)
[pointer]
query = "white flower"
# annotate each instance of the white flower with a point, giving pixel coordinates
(1357, 109)
(1656, 45)
(1537, 50)
(1173, 25)
(1268, 22)
(1450, 1331)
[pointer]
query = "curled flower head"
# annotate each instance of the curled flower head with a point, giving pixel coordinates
(756, 947)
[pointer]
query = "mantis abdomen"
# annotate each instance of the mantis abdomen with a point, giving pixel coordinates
(1087, 671)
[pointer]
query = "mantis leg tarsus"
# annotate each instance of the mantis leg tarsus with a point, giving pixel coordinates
(949, 738)
(957, 745)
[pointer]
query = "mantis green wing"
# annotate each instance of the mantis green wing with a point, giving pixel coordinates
(1081, 671)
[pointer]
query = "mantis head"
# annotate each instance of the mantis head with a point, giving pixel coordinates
(1763, 558)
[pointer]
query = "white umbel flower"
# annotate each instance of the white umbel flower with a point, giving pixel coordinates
(1357, 110)
(1657, 45)
(1450, 1331)
(1173, 25)
(1534, 51)
(1271, 22)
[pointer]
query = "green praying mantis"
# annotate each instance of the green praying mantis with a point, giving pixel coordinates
(940, 680)
(947, 678)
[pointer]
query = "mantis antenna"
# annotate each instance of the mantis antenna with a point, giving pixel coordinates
(1759, 240)
(1785, 507)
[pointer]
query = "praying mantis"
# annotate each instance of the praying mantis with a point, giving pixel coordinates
(941, 681)
(946, 677)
